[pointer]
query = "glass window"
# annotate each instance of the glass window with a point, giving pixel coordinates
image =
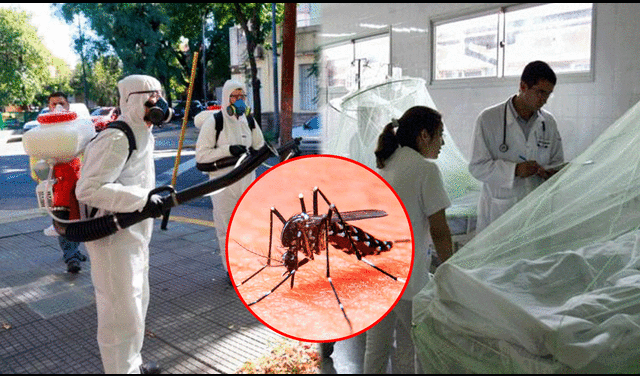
(308, 14)
(308, 88)
(467, 48)
(338, 63)
(559, 34)
(357, 63)
(501, 43)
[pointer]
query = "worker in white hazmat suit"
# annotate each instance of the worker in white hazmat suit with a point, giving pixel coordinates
(516, 145)
(113, 181)
(239, 132)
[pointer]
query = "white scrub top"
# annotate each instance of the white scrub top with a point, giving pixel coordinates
(418, 183)
(501, 189)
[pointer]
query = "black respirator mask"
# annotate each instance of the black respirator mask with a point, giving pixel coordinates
(159, 112)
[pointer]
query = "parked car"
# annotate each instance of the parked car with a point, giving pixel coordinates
(34, 123)
(214, 105)
(311, 134)
(102, 116)
(195, 109)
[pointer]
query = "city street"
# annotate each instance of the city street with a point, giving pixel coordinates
(18, 189)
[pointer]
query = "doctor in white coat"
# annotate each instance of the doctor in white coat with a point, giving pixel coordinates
(516, 145)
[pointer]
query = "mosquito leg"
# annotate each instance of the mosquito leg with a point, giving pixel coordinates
(333, 208)
(252, 275)
(274, 289)
(274, 211)
(382, 271)
(347, 230)
(315, 200)
(301, 197)
(326, 242)
(317, 190)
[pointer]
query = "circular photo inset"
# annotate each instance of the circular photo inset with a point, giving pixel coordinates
(319, 248)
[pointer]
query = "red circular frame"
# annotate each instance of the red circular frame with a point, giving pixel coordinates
(286, 308)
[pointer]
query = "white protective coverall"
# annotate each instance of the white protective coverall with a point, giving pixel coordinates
(120, 262)
(501, 188)
(235, 131)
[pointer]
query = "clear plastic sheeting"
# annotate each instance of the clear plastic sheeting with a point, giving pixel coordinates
(553, 285)
(353, 124)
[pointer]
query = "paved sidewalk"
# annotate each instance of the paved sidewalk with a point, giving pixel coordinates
(195, 323)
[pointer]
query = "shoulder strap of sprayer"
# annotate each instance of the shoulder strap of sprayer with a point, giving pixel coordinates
(126, 129)
(220, 123)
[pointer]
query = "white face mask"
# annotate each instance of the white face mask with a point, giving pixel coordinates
(58, 108)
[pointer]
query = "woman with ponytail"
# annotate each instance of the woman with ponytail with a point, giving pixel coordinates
(402, 155)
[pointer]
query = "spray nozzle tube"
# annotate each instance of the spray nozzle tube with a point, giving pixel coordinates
(97, 228)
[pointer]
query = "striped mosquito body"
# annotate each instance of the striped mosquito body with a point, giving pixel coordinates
(364, 242)
(305, 236)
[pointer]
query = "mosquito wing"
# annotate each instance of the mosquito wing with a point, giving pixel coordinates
(359, 214)
(354, 215)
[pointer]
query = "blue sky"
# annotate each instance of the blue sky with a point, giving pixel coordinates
(55, 34)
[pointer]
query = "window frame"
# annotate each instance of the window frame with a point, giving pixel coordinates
(500, 79)
(351, 41)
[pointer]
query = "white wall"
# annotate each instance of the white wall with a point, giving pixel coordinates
(583, 109)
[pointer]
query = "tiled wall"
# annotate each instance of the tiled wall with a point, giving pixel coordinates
(583, 109)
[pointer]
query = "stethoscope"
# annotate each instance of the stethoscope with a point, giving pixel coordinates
(542, 143)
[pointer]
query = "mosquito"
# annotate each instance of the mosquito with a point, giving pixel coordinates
(309, 235)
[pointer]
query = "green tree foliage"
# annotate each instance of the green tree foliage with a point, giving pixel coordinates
(146, 38)
(255, 21)
(24, 61)
(103, 74)
(135, 31)
(59, 81)
(186, 24)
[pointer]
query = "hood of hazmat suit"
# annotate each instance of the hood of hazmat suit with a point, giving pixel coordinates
(227, 89)
(111, 181)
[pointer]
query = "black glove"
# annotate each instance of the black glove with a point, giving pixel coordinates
(154, 205)
(237, 150)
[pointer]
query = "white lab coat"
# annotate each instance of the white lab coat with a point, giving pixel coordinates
(120, 262)
(501, 189)
(235, 131)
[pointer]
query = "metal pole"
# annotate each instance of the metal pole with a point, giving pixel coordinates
(84, 73)
(274, 42)
(185, 118)
(165, 219)
(204, 62)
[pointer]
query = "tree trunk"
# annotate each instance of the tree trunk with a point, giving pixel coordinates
(288, 67)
